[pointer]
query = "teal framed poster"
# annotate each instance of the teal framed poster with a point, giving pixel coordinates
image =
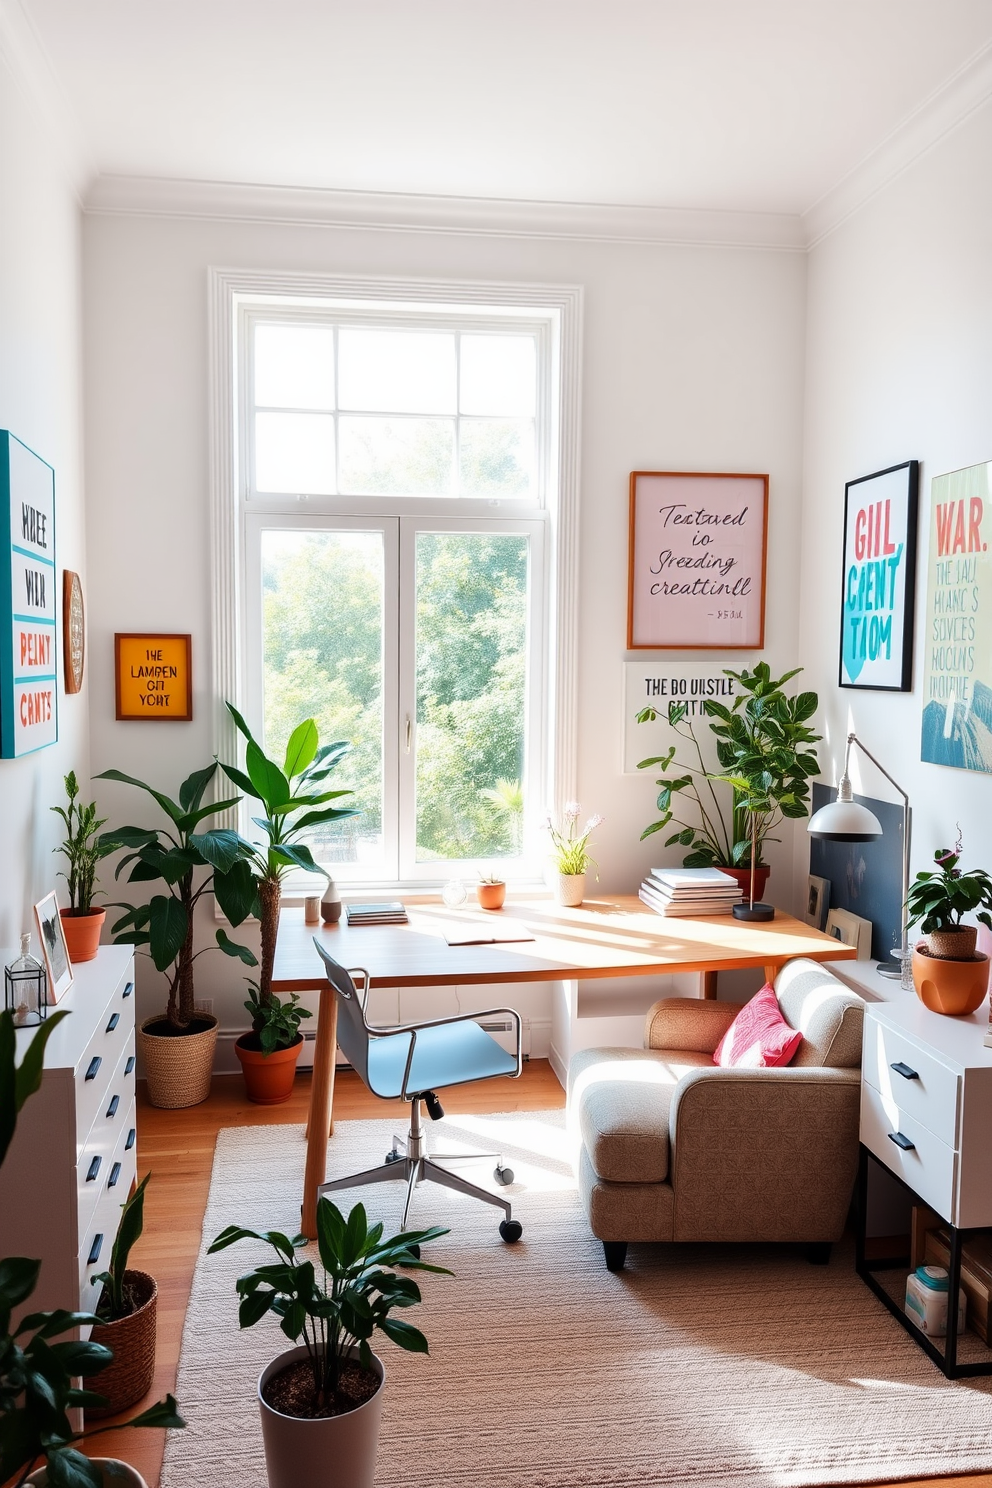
(28, 687)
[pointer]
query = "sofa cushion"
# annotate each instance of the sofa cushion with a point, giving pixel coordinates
(827, 1013)
(621, 1099)
(759, 1037)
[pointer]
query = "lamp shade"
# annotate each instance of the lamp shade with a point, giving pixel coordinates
(845, 821)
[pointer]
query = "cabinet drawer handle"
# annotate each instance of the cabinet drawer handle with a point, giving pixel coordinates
(115, 1173)
(92, 1170)
(115, 1018)
(129, 1066)
(112, 1108)
(95, 1064)
(905, 1071)
(902, 1141)
(95, 1250)
(130, 1140)
(128, 989)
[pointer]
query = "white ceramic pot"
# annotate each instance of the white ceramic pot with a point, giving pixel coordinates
(124, 1476)
(335, 1452)
(570, 888)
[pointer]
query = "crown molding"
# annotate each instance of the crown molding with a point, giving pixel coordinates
(395, 212)
(942, 112)
(25, 59)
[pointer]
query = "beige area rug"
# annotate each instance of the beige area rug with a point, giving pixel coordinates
(717, 1365)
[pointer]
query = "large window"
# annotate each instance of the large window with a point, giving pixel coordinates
(395, 466)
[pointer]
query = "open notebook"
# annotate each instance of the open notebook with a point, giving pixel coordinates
(478, 932)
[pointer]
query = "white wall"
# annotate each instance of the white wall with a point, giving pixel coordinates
(899, 368)
(692, 360)
(40, 402)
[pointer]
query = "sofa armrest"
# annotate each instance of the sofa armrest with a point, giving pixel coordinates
(682, 1023)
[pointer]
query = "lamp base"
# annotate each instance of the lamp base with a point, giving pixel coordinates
(754, 911)
(892, 972)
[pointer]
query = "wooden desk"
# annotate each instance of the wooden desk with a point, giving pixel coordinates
(609, 937)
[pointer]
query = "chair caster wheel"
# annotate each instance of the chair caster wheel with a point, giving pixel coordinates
(392, 1157)
(510, 1230)
(503, 1175)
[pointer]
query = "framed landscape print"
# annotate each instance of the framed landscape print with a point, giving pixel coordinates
(53, 946)
(879, 582)
(696, 578)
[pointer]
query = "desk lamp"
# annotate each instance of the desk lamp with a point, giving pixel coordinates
(844, 820)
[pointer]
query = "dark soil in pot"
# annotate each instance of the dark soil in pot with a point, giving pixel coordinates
(292, 1393)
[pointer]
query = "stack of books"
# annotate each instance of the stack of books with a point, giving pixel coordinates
(385, 912)
(690, 891)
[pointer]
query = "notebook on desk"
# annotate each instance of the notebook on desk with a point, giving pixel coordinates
(480, 934)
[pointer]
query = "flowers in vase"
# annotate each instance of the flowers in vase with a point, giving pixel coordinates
(570, 845)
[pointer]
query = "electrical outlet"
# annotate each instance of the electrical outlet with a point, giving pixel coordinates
(204, 1005)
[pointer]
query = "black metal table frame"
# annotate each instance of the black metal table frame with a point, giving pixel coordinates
(946, 1360)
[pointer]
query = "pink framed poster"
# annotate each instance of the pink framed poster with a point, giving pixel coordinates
(698, 544)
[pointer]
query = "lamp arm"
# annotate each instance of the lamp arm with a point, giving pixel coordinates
(853, 739)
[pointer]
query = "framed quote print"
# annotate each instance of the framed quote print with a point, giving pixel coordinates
(879, 579)
(698, 545)
(153, 677)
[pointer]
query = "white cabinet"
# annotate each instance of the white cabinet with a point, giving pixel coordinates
(73, 1158)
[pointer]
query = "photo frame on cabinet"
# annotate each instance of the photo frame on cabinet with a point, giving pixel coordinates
(878, 588)
(696, 561)
(817, 901)
(850, 929)
(53, 946)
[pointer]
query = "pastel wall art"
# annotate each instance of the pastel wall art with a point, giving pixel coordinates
(879, 581)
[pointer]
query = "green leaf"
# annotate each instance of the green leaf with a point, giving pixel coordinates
(220, 847)
(231, 948)
(191, 818)
(236, 891)
(192, 788)
(329, 814)
(167, 926)
(68, 1468)
(240, 779)
(297, 854)
(239, 721)
(126, 837)
(18, 1278)
(301, 749)
(654, 827)
(163, 1414)
(269, 784)
(18, 1083)
(170, 808)
(407, 1337)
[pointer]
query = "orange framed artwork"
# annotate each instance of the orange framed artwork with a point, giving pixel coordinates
(153, 677)
(698, 545)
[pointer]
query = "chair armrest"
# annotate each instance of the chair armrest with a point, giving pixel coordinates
(681, 1023)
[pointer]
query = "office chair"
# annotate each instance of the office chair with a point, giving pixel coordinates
(410, 1061)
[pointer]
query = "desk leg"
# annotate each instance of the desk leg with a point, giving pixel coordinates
(707, 984)
(319, 1123)
(772, 971)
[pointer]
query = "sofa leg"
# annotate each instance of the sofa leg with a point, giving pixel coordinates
(616, 1253)
(818, 1254)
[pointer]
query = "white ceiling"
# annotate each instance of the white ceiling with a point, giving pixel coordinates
(758, 105)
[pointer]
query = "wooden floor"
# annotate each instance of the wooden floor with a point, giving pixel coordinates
(178, 1148)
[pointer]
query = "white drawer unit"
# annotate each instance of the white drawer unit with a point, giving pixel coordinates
(73, 1158)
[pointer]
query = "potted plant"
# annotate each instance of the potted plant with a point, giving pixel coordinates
(321, 1402)
(37, 1366)
(949, 974)
(127, 1311)
(570, 853)
(268, 1054)
(490, 891)
(81, 922)
(178, 1045)
(764, 731)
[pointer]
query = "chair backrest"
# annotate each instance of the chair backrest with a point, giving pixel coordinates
(353, 1031)
(827, 1013)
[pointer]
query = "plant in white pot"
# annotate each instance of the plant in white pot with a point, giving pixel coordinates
(81, 922)
(570, 853)
(321, 1402)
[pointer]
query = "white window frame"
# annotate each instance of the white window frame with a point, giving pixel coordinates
(559, 308)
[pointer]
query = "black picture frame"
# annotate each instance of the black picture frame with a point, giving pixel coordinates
(878, 579)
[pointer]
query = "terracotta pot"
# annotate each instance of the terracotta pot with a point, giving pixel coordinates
(334, 1452)
(268, 1077)
(742, 877)
(490, 895)
(132, 1340)
(124, 1475)
(178, 1066)
(957, 944)
(570, 888)
(951, 987)
(82, 933)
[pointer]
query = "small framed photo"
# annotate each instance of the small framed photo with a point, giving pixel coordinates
(879, 580)
(850, 929)
(817, 901)
(53, 946)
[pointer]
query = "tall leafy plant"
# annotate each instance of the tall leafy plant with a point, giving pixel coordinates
(188, 861)
(79, 849)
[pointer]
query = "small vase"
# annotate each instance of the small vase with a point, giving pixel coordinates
(570, 888)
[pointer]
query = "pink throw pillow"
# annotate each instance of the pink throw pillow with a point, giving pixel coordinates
(759, 1037)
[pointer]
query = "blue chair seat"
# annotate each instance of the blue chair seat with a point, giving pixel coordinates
(451, 1054)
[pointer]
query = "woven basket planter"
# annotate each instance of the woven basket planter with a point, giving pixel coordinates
(132, 1340)
(178, 1066)
(953, 945)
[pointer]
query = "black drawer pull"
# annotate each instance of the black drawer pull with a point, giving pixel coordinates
(902, 1141)
(130, 1140)
(905, 1071)
(93, 1169)
(112, 1108)
(130, 1065)
(115, 1173)
(95, 1250)
(95, 1064)
(128, 989)
(115, 1018)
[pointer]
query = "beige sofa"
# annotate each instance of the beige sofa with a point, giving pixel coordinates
(676, 1148)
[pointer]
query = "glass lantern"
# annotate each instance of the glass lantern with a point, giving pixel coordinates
(25, 991)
